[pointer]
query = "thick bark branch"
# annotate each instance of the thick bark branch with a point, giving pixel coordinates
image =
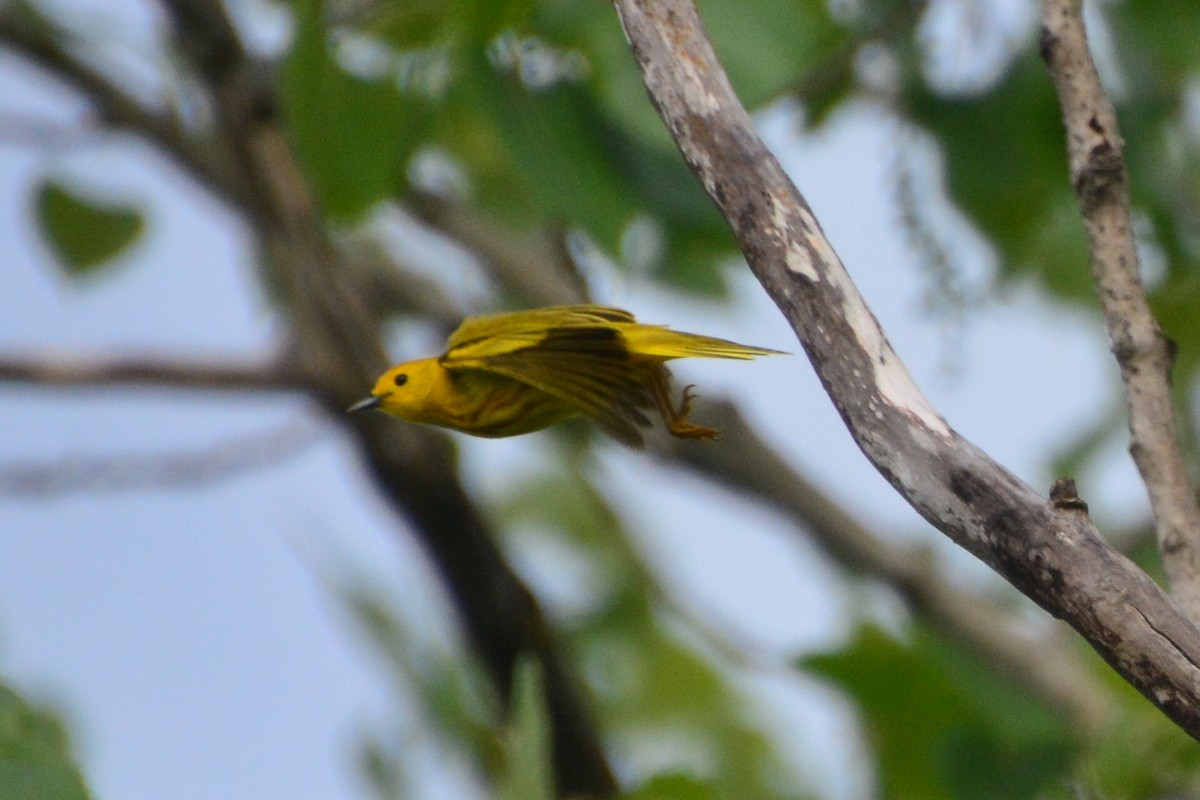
(1053, 555)
(1144, 354)
(1040, 663)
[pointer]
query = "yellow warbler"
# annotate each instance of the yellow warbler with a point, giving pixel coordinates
(508, 374)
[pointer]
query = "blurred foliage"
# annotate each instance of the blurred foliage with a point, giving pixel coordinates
(538, 104)
(532, 113)
(1140, 757)
(35, 760)
(452, 699)
(84, 233)
(1006, 163)
(944, 725)
(354, 133)
(658, 696)
(655, 691)
(528, 773)
(672, 787)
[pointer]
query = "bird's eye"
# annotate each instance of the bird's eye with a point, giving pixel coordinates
(400, 379)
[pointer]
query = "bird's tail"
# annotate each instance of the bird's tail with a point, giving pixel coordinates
(658, 343)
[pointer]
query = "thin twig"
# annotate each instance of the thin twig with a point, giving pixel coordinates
(181, 469)
(44, 134)
(548, 278)
(1145, 355)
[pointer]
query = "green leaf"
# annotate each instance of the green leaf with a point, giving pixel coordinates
(614, 76)
(539, 155)
(354, 135)
(528, 773)
(943, 724)
(1148, 41)
(1141, 754)
(83, 232)
(767, 45)
(411, 24)
(554, 156)
(674, 786)
(34, 761)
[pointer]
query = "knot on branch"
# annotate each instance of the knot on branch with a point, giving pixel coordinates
(1101, 174)
(256, 84)
(1047, 44)
(1065, 497)
(1154, 348)
(1171, 354)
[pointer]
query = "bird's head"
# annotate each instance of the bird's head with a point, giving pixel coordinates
(406, 390)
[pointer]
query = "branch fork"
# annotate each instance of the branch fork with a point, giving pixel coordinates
(1053, 555)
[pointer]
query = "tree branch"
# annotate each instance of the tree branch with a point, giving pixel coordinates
(337, 341)
(1053, 555)
(182, 469)
(1042, 664)
(76, 371)
(1144, 354)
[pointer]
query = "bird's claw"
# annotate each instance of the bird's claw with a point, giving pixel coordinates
(682, 428)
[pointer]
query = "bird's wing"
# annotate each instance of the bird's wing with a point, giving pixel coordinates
(584, 364)
(523, 326)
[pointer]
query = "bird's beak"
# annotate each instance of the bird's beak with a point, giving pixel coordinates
(362, 405)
